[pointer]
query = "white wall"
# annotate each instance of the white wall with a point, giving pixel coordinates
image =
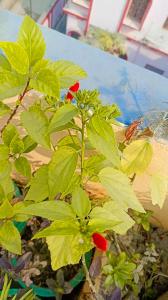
(107, 13)
(142, 55)
(153, 22)
(74, 24)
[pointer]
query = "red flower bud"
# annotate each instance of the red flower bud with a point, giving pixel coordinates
(100, 242)
(74, 88)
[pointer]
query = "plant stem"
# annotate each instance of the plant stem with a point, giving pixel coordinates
(16, 108)
(82, 148)
(116, 242)
(91, 285)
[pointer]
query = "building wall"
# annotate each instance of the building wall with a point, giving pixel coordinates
(107, 13)
(75, 25)
(153, 23)
(141, 55)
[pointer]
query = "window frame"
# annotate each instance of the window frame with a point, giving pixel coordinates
(141, 23)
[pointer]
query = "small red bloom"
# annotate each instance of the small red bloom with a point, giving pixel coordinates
(74, 88)
(99, 241)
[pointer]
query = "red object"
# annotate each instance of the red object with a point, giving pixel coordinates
(131, 130)
(99, 241)
(74, 88)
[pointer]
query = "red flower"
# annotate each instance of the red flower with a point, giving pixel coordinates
(99, 241)
(74, 88)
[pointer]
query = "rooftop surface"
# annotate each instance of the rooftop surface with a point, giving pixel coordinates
(134, 89)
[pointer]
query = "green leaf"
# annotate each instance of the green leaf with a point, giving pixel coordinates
(137, 157)
(70, 141)
(101, 136)
(68, 72)
(67, 250)
(4, 63)
(36, 124)
(39, 189)
(10, 238)
(16, 56)
(62, 116)
(61, 227)
(9, 133)
(29, 144)
(51, 210)
(5, 169)
(4, 152)
(94, 164)
(119, 188)
(159, 188)
(4, 109)
(6, 210)
(61, 170)
(74, 182)
(46, 82)
(80, 203)
(7, 187)
(16, 145)
(31, 39)
(11, 84)
(22, 165)
(110, 216)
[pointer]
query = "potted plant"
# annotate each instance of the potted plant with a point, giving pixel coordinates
(55, 203)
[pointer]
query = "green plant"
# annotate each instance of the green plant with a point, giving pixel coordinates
(5, 292)
(56, 191)
(105, 40)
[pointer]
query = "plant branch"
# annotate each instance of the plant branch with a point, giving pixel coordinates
(16, 108)
(82, 148)
(91, 285)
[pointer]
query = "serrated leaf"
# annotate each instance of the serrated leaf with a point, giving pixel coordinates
(39, 189)
(22, 166)
(110, 217)
(11, 84)
(62, 116)
(9, 133)
(119, 188)
(51, 210)
(70, 141)
(29, 144)
(4, 109)
(31, 39)
(159, 188)
(16, 56)
(4, 152)
(80, 203)
(10, 238)
(101, 136)
(68, 72)
(67, 250)
(6, 210)
(46, 82)
(36, 124)
(4, 63)
(59, 228)
(61, 170)
(16, 145)
(5, 169)
(137, 157)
